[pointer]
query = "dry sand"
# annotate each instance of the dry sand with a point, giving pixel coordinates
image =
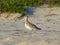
(14, 32)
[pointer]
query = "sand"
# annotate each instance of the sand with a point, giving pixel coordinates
(13, 32)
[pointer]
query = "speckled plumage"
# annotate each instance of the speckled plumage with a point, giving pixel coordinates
(29, 25)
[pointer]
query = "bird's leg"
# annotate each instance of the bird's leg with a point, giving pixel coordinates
(33, 32)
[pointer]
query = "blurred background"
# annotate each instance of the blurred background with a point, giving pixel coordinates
(22, 6)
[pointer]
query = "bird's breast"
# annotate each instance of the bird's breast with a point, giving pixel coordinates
(28, 27)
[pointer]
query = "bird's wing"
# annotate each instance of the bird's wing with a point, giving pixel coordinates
(34, 26)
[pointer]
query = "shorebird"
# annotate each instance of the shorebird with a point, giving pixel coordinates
(29, 25)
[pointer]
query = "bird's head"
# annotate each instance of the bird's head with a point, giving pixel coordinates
(25, 18)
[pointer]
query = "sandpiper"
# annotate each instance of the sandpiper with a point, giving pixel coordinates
(29, 25)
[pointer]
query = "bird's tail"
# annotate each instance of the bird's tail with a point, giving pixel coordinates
(39, 28)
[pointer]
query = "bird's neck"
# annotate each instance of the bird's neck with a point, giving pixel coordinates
(26, 21)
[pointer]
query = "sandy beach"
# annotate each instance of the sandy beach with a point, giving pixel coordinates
(13, 32)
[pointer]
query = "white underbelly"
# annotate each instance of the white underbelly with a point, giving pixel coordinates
(28, 27)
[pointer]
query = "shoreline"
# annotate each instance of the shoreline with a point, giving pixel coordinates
(38, 11)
